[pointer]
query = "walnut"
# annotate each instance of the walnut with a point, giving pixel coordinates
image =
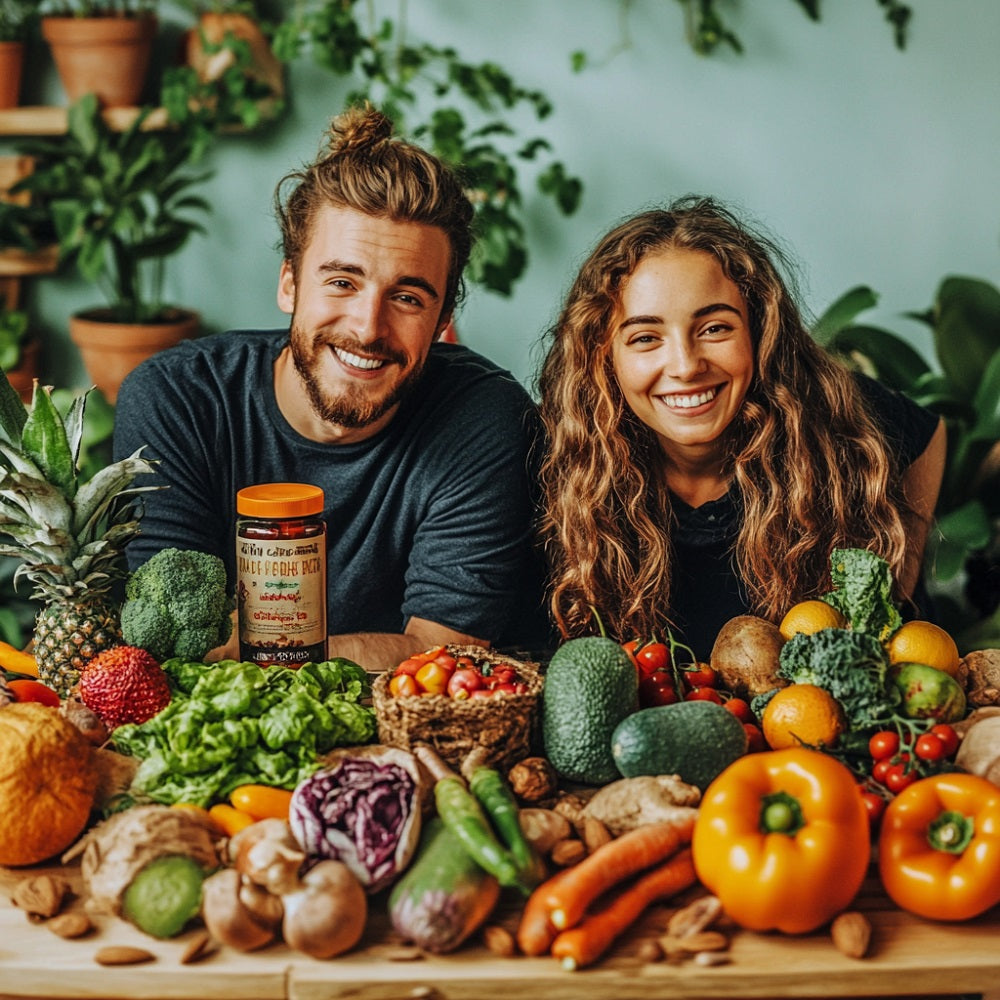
(533, 779)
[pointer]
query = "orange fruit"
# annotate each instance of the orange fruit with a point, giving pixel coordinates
(803, 714)
(809, 617)
(926, 643)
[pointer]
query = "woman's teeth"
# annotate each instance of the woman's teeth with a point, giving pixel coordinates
(690, 401)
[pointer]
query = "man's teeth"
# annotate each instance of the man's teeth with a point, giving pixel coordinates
(687, 402)
(368, 364)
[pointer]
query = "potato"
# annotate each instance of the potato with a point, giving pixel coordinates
(745, 656)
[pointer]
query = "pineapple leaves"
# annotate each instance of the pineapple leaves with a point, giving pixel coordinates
(74, 426)
(41, 502)
(44, 440)
(12, 413)
(98, 494)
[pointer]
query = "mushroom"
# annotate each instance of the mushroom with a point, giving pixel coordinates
(227, 916)
(327, 914)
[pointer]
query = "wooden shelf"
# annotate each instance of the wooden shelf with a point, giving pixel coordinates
(17, 263)
(51, 120)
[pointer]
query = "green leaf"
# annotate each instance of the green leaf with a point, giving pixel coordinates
(842, 312)
(891, 358)
(13, 413)
(82, 123)
(955, 535)
(967, 329)
(44, 439)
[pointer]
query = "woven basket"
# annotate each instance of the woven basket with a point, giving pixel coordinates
(502, 725)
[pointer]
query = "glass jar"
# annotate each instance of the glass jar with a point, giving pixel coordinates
(281, 574)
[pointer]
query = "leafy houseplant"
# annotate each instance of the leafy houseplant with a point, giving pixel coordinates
(17, 19)
(121, 206)
(400, 76)
(13, 334)
(964, 388)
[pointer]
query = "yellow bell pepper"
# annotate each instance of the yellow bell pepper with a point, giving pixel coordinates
(11, 658)
(782, 839)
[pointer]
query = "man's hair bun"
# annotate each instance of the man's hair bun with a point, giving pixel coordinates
(357, 129)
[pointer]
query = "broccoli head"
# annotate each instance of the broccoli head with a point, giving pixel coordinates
(852, 666)
(177, 604)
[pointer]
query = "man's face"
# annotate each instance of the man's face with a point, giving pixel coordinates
(366, 307)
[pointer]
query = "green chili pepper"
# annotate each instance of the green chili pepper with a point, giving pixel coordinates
(495, 796)
(463, 815)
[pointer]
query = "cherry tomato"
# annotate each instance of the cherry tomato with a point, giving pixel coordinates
(463, 682)
(740, 708)
(883, 744)
(874, 806)
(947, 736)
(504, 688)
(409, 666)
(881, 769)
(929, 746)
(701, 675)
(652, 657)
(755, 738)
(433, 677)
(630, 647)
(29, 690)
(446, 660)
(404, 685)
(657, 689)
(897, 778)
(502, 673)
(703, 694)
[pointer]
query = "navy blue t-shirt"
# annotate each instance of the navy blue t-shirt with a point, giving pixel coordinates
(706, 592)
(430, 517)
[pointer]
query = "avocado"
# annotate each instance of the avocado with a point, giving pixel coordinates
(928, 693)
(590, 686)
(695, 740)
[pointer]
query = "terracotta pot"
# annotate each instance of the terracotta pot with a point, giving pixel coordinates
(213, 28)
(111, 350)
(11, 67)
(107, 56)
(22, 376)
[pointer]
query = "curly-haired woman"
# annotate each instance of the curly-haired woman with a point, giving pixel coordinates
(705, 455)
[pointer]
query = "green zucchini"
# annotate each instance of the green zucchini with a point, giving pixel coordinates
(444, 895)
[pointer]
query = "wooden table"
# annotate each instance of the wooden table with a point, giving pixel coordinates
(909, 957)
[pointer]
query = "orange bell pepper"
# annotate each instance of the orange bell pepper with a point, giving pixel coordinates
(782, 839)
(939, 847)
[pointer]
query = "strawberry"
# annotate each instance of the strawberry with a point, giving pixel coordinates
(124, 684)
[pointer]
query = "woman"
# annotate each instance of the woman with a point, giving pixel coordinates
(705, 454)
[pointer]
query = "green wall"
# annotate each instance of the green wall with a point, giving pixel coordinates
(872, 165)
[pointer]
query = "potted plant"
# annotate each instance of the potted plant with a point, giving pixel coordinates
(963, 386)
(18, 351)
(121, 205)
(17, 19)
(101, 47)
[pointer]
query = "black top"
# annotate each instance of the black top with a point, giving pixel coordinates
(706, 590)
(430, 517)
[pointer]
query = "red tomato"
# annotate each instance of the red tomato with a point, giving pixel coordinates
(929, 746)
(874, 805)
(446, 660)
(701, 675)
(703, 694)
(897, 778)
(652, 657)
(630, 648)
(755, 738)
(463, 682)
(433, 677)
(881, 769)
(947, 736)
(741, 709)
(505, 688)
(409, 666)
(404, 685)
(657, 689)
(28, 690)
(883, 744)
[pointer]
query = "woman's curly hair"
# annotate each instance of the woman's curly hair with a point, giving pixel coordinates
(810, 468)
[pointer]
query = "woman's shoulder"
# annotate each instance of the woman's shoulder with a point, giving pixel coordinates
(908, 427)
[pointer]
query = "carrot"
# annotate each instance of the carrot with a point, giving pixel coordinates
(230, 819)
(611, 864)
(261, 801)
(585, 943)
(11, 658)
(535, 932)
(29, 690)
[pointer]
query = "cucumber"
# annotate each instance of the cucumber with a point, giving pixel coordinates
(444, 895)
(696, 740)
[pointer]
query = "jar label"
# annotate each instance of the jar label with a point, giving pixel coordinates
(281, 599)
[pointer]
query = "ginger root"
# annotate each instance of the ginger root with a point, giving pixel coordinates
(631, 802)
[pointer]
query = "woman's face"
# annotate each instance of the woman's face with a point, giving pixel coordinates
(681, 349)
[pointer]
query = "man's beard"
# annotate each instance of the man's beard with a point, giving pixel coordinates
(354, 407)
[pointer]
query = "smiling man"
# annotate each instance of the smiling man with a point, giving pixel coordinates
(421, 447)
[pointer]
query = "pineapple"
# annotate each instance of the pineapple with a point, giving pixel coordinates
(69, 535)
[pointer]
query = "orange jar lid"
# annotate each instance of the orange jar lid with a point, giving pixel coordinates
(280, 500)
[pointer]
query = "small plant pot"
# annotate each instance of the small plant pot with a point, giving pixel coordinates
(22, 376)
(110, 350)
(11, 71)
(106, 56)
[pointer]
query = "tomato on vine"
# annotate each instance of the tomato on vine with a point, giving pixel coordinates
(703, 694)
(947, 735)
(874, 805)
(929, 746)
(740, 708)
(884, 744)
(898, 777)
(700, 675)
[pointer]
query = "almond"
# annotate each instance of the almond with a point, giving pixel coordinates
(120, 954)
(691, 944)
(499, 941)
(595, 834)
(852, 934)
(568, 852)
(70, 925)
(200, 946)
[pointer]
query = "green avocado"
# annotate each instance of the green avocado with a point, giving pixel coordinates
(590, 686)
(696, 740)
(929, 693)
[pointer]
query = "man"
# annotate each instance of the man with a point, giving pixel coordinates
(421, 448)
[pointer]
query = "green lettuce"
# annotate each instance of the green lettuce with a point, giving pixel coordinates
(231, 724)
(862, 592)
